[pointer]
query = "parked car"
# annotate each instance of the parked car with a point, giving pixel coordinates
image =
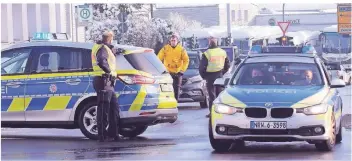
(337, 70)
(193, 86)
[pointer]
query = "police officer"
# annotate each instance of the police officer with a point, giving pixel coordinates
(104, 66)
(213, 65)
(176, 60)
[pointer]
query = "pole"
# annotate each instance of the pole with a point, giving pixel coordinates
(228, 19)
(76, 22)
(151, 11)
(283, 12)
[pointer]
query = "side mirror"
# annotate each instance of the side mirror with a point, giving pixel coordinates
(237, 61)
(337, 83)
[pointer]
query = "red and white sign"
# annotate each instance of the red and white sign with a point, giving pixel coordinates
(283, 26)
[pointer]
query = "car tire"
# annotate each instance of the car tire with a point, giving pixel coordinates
(132, 131)
(218, 145)
(328, 145)
(205, 103)
(82, 121)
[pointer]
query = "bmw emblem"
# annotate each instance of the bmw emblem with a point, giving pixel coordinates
(268, 104)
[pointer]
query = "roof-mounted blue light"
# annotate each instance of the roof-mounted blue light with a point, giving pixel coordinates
(47, 36)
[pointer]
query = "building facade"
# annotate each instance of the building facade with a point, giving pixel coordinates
(314, 20)
(20, 21)
(211, 15)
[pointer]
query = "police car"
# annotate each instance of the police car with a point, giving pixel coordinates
(48, 84)
(277, 94)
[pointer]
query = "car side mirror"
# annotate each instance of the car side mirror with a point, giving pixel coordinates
(237, 61)
(337, 83)
(222, 82)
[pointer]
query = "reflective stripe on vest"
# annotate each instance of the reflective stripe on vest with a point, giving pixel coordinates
(216, 59)
(111, 60)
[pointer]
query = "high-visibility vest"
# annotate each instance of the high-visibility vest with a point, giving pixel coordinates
(216, 59)
(111, 60)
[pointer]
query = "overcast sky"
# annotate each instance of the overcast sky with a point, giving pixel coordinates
(275, 6)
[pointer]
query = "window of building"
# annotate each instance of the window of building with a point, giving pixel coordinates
(246, 15)
(233, 15)
(239, 15)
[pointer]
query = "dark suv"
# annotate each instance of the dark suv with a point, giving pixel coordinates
(193, 86)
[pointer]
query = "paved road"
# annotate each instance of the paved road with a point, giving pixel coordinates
(186, 139)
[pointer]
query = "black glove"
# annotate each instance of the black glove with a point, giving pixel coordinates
(119, 51)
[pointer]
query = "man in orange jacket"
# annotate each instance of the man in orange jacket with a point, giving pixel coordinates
(176, 60)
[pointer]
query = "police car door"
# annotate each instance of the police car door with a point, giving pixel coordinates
(14, 71)
(58, 78)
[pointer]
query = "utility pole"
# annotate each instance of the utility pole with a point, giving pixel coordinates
(151, 10)
(228, 8)
(283, 12)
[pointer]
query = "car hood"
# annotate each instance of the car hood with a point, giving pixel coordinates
(190, 73)
(283, 96)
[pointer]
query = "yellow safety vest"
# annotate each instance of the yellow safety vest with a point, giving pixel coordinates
(216, 59)
(111, 60)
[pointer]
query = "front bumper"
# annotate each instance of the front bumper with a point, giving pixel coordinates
(300, 127)
(152, 117)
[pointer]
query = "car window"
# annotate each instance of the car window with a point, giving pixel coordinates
(333, 67)
(146, 62)
(283, 73)
(14, 61)
(194, 62)
(61, 59)
(327, 75)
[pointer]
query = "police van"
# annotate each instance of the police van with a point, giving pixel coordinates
(47, 83)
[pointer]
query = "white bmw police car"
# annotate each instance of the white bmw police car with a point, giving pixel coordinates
(276, 96)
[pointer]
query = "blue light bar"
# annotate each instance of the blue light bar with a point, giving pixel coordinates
(42, 36)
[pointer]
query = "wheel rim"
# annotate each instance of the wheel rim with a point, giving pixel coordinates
(333, 132)
(90, 120)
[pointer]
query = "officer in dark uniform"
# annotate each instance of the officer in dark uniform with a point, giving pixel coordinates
(214, 65)
(104, 67)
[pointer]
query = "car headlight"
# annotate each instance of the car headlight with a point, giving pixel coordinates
(225, 109)
(314, 110)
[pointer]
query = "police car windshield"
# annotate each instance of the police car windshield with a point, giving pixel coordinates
(279, 73)
(146, 62)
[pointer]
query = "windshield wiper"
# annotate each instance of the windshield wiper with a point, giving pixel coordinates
(165, 72)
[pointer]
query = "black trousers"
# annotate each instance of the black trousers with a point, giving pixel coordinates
(108, 109)
(177, 82)
(213, 91)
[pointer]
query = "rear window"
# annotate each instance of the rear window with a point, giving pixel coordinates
(146, 62)
(194, 62)
(333, 67)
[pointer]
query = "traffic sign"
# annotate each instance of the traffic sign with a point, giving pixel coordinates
(344, 18)
(85, 13)
(122, 27)
(283, 26)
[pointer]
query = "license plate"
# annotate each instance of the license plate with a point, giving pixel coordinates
(166, 88)
(268, 124)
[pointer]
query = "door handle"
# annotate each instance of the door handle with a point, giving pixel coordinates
(73, 81)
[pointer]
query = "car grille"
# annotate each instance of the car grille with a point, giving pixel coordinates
(281, 112)
(255, 112)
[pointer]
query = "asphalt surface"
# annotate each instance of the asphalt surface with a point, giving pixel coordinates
(186, 139)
